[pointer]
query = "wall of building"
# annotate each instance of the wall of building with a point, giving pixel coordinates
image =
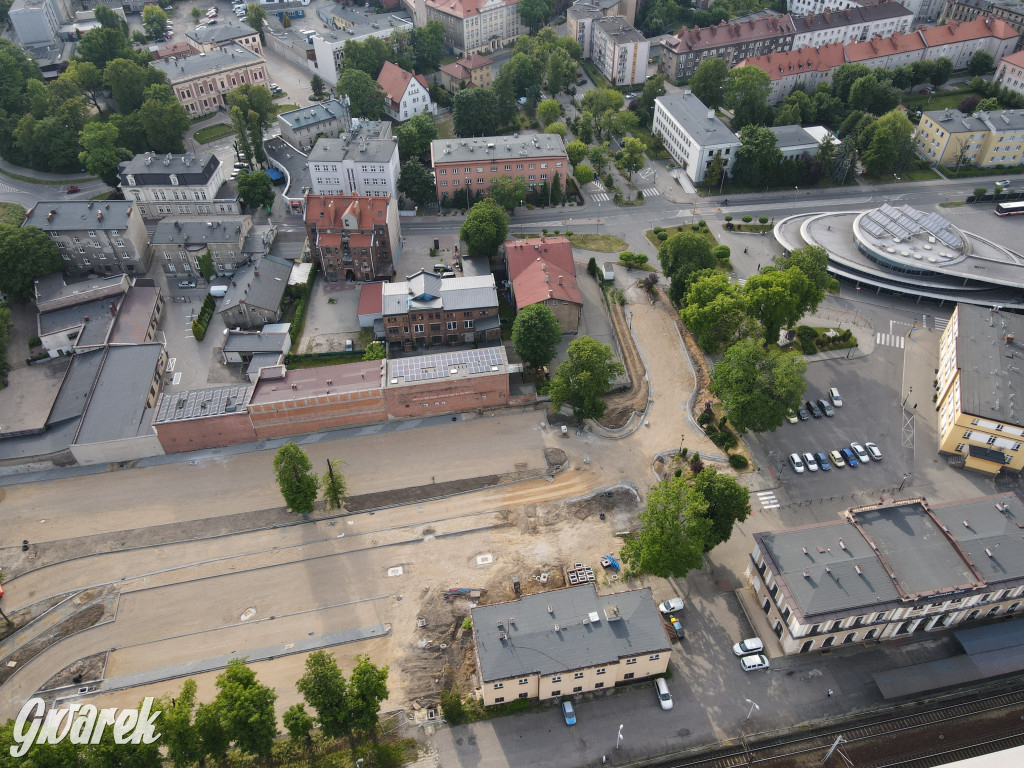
(118, 450)
(311, 414)
(433, 398)
(209, 432)
(484, 176)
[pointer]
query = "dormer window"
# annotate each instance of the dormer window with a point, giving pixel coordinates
(174, 180)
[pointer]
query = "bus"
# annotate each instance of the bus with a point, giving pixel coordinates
(1009, 209)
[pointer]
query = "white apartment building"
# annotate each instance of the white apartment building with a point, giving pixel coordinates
(348, 23)
(851, 25)
(301, 127)
(165, 185)
(615, 47)
(362, 161)
(922, 10)
(38, 22)
(476, 25)
(1010, 72)
(405, 95)
(692, 134)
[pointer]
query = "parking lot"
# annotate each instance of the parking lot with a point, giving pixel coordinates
(872, 411)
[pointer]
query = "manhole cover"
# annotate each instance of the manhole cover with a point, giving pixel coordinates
(247, 614)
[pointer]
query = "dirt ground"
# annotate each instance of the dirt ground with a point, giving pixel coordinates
(622, 405)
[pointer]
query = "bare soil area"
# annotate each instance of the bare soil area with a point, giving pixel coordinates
(621, 405)
(87, 670)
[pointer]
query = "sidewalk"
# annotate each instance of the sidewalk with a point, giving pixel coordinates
(43, 177)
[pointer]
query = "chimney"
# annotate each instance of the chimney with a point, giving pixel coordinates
(559, 279)
(551, 294)
(256, 271)
(711, 114)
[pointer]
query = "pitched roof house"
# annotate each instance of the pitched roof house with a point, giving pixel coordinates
(542, 271)
(404, 94)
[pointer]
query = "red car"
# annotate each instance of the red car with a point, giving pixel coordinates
(72, 189)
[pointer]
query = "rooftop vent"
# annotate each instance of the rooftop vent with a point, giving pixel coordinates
(857, 569)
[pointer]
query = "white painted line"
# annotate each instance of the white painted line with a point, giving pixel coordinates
(770, 506)
(170, 364)
(768, 494)
(177, 379)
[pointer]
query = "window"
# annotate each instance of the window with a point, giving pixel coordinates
(577, 689)
(499, 700)
(467, 324)
(556, 679)
(628, 676)
(577, 676)
(601, 671)
(524, 695)
(654, 657)
(524, 680)
(452, 325)
(599, 685)
(631, 661)
(556, 693)
(498, 686)
(417, 328)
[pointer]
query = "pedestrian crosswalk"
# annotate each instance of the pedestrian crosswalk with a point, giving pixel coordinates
(890, 340)
(600, 197)
(652, 192)
(941, 323)
(767, 500)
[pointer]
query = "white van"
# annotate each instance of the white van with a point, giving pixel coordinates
(664, 697)
(218, 291)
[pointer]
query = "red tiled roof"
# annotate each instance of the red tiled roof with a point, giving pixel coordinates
(1015, 59)
(884, 46)
(394, 81)
(461, 8)
(330, 239)
(542, 270)
(700, 38)
(809, 59)
(361, 240)
(959, 31)
(475, 61)
(326, 210)
(371, 301)
(456, 70)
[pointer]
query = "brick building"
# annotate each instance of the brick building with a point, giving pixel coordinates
(475, 164)
(354, 237)
(473, 70)
(433, 311)
(542, 271)
(202, 82)
(733, 43)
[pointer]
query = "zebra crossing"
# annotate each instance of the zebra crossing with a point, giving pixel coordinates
(7, 188)
(890, 340)
(652, 192)
(599, 195)
(941, 323)
(768, 500)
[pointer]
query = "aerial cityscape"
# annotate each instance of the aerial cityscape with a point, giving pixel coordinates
(506, 382)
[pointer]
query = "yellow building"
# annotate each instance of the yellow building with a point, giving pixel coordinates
(566, 642)
(985, 139)
(981, 375)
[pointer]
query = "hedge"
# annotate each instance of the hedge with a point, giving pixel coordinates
(202, 322)
(302, 292)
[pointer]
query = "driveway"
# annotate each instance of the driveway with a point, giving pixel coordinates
(328, 325)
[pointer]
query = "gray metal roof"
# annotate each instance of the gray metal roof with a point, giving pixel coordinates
(993, 637)
(323, 112)
(263, 290)
(64, 215)
(487, 148)
(990, 529)
(857, 15)
(197, 403)
(692, 114)
(789, 136)
(585, 636)
(262, 360)
(75, 388)
(221, 33)
(366, 143)
(194, 233)
(245, 342)
(581, 10)
(954, 121)
(189, 169)
(619, 30)
(221, 58)
(117, 409)
(991, 369)
(95, 318)
(53, 293)
(426, 290)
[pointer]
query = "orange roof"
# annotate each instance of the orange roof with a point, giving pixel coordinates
(371, 299)
(461, 8)
(809, 59)
(456, 70)
(395, 81)
(725, 33)
(877, 47)
(542, 269)
(326, 211)
(475, 61)
(329, 239)
(361, 241)
(959, 31)
(1015, 59)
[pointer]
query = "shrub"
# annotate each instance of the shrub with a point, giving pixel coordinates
(738, 461)
(569, 233)
(639, 194)
(723, 422)
(747, 219)
(706, 417)
(721, 252)
(846, 335)
(696, 465)
(729, 225)
(807, 336)
(702, 224)
(452, 708)
(592, 269)
(556, 232)
(678, 472)
(34, 342)
(762, 219)
(724, 439)
(980, 191)
(658, 229)
(662, 236)
(682, 453)
(728, 218)
(695, 227)
(198, 330)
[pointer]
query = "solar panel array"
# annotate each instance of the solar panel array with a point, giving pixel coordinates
(438, 366)
(905, 222)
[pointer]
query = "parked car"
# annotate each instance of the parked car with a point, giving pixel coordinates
(797, 463)
(833, 394)
(791, 416)
(568, 713)
(677, 627)
(211, 22)
(823, 461)
(849, 457)
(1004, 183)
(748, 646)
(862, 455)
(218, 291)
(837, 459)
(201, 27)
(186, 283)
(662, 692)
(802, 413)
(826, 407)
(72, 189)
(581, 81)
(873, 452)
(809, 461)
(275, 87)
(241, 166)
(750, 663)
(815, 410)
(630, 96)
(671, 606)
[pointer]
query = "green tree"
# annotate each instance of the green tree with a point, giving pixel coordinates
(177, 733)
(163, 119)
(535, 335)
(576, 151)
(474, 112)
(631, 157)
(414, 136)
(252, 98)
(548, 111)
(758, 385)
(942, 72)
(108, 754)
(428, 46)
(366, 99)
(324, 688)
(154, 20)
(556, 188)
(99, 46)
(128, 81)
(584, 174)
(558, 128)
(812, 260)
(844, 76)
(100, 153)
(585, 377)
(535, 13)
(206, 267)
(256, 18)
(318, 87)
(213, 737)
(870, 95)
(713, 175)
(81, 77)
(683, 254)
(485, 228)
(746, 93)
(561, 71)
(673, 530)
(110, 20)
(728, 504)
(417, 183)
(708, 82)
(601, 100)
(298, 722)
(367, 688)
(255, 189)
(196, 14)
(366, 55)
(508, 193)
(25, 254)
(247, 709)
(777, 299)
(653, 88)
(375, 350)
(295, 478)
(521, 77)
(886, 151)
(715, 311)
(758, 158)
(333, 483)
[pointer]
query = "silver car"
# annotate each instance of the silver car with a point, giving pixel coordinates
(751, 663)
(862, 455)
(748, 646)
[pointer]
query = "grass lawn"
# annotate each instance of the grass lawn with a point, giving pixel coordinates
(970, 171)
(444, 127)
(11, 213)
(322, 360)
(279, 108)
(649, 141)
(708, 235)
(214, 132)
(914, 174)
(944, 100)
(603, 243)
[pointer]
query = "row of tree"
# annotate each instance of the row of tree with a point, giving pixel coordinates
(300, 485)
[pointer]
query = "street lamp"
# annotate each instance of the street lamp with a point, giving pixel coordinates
(905, 476)
(618, 739)
(753, 706)
(682, 437)
(908, 396)
(796, 193)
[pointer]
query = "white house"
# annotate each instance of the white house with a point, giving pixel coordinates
(190, 184)
(692, 134)
(361, 161)
(404, 94)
